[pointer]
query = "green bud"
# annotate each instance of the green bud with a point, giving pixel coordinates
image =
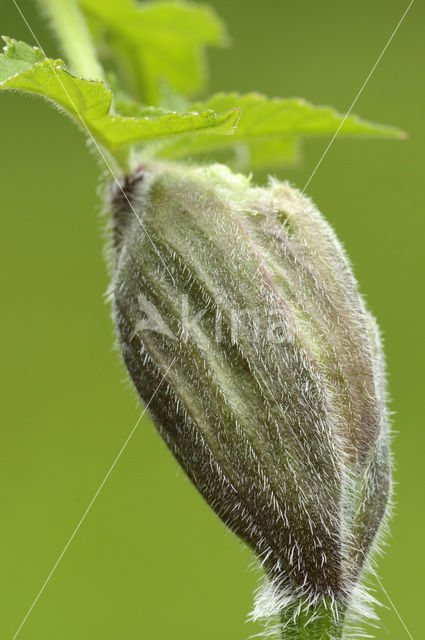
(240, 322)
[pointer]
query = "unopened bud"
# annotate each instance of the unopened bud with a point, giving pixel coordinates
(263, 372)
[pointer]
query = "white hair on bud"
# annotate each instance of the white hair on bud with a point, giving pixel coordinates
(287, 440)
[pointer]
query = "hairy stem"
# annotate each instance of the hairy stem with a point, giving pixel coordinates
(71, 29)
(316, 623)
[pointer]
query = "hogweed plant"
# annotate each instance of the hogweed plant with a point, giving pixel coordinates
(236, 309)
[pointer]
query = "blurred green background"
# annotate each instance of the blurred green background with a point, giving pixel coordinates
(151, 560)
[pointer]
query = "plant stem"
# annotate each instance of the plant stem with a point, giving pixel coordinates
(316, 623)
(71, 29)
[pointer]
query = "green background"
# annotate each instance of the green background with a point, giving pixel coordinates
(151, 560)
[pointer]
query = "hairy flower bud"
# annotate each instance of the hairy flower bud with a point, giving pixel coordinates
(240, 322)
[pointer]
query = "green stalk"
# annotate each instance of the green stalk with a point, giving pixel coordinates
(71, 29)
(325, 625)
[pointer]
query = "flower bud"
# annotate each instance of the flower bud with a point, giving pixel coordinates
(241, 325)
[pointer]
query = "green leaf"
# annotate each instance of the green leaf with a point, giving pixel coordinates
(24, 68)
(269, 130)
(155, 42)
(17, 57)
